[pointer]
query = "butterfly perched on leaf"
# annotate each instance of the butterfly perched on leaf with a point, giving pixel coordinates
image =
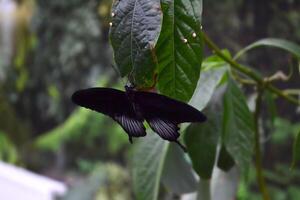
(131, 108)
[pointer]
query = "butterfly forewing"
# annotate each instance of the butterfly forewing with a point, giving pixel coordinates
(113, 103)
(162, 107)
(164, 114)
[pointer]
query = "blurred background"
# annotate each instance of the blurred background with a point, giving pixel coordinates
(49, 49)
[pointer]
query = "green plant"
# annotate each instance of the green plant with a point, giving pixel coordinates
(160, 43)
(8, 151)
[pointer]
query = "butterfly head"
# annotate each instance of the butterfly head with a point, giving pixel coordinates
(129, 87)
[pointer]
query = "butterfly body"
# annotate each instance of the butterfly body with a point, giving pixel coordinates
(131, 108)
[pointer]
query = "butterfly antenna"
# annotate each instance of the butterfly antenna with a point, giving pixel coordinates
(181, 145)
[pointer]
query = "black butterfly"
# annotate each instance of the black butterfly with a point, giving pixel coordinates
(131, 108)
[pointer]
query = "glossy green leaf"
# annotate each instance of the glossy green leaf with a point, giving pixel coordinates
(238, 126)
(179, 48)
(272, 42)
(178, 175)
(296, 151)
(201, 140)
(134, 32)
(147, 166)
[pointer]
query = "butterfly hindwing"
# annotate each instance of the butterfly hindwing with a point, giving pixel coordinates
(166, 129)
(113, 103)
(134, 127)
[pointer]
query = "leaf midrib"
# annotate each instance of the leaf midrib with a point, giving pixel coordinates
(131, 36)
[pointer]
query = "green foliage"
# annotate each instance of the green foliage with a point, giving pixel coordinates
(284, 185)
(201, 141)
(8, 151)
(105, 182)
(10, 123)
(273, 42)
(213, 70)
(238, 126)
(85, 126)
(147, 166)
(283, 130)
(179, 48)
(133, 34)
(225, 161)
(155, 43)
(271, 106)
(178, 178)
(296, 151)
(69, 53)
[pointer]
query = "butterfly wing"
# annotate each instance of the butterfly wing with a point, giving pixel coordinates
(164, 114)
(113, 103)
(133, 126)
(167, 108)
(166, 129)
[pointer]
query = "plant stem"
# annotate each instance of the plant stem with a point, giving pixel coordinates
(258, 158)
(261, 84)
(247, 71)
(292, 91)
(204, 190)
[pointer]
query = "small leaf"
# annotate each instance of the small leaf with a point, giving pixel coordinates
(178, 175)
(238, 127)
(147, 166)
(272, 42)
(135, 28)
(179, 48)
(225, 161)
(214, 61)
(296, 151)
(201, 141)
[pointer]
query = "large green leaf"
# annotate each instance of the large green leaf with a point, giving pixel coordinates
(179, 48)
(201, 140)
(296, 151)
(147, 166)
(272, 42)
(238, 126)
(178, 175)
(134, 32)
